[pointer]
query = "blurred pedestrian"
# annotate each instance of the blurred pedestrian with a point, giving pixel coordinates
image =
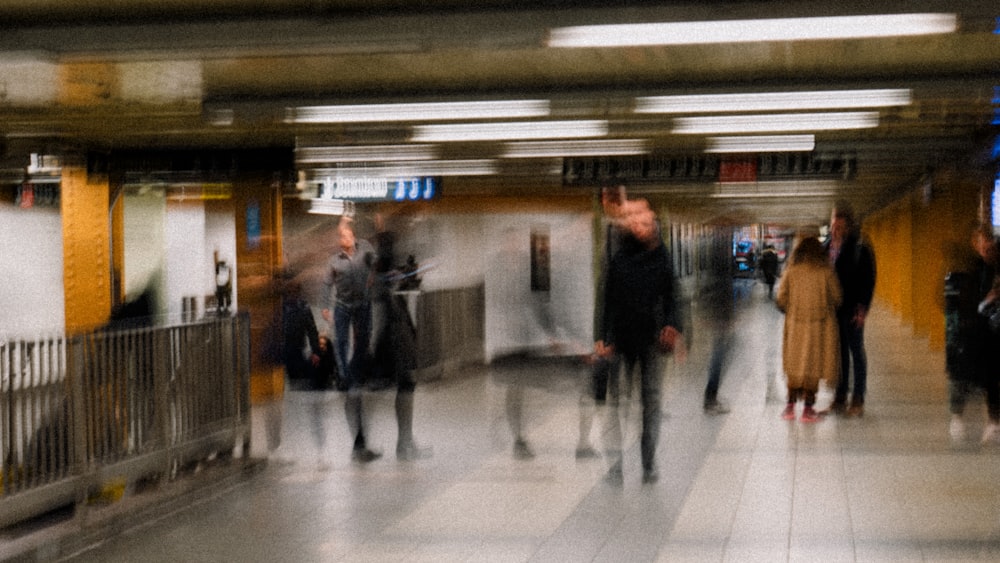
(982, 343)
(347, 307)
(809, 295)
(854, 261)
(769, 268)
(718, 304)
(300, 352)
(594, 392)
(641, 322)
(394, 346)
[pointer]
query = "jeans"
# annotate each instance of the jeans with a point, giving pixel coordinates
(651, 383)
(351, 361)
(852, 346)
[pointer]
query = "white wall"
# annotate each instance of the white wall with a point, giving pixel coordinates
(559, 321)
(220, 236)
(144, 257)
(31, 261)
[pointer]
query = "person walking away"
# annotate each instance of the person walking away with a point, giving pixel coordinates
(641, 322)
(854, 261)
(347, 307)
(809, 295)
(769, 268)
(718, 303)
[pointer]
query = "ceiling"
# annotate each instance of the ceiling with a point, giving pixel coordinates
(129, 75)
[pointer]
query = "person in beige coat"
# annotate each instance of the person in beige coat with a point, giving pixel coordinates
(809, 295)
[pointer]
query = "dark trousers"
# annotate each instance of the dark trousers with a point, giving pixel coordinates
(852, 350)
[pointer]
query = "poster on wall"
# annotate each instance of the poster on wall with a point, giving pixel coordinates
(540, 259)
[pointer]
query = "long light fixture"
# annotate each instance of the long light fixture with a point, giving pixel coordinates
(363, 153)
(550, 149)
(774, 101)
(747, 31)
(768, 123)
(429, 111)
(777, 189)
(761, 143)
(467, 167)
(509, 131)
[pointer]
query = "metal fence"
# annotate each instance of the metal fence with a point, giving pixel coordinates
(78, 412)
(450, 330)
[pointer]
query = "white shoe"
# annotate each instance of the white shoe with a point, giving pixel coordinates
(991, 435)
(957, 429)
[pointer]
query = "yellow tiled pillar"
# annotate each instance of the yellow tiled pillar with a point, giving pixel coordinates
(86, 248)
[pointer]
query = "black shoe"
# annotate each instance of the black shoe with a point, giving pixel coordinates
(586, 452)
(716, 407)
(364, 455)
(650, 475)
(522, 450)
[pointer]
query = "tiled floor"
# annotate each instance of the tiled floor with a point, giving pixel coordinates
(744, 486)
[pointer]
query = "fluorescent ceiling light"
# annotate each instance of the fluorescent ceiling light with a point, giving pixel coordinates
(543, 149)
(509, 131)
(745, 31)
(369, 153)
(470, 167)
(430, 111)
(761, 143)
(765, 123)
(773, 101)
(776, 189)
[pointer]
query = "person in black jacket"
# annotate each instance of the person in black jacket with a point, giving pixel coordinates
(641, 321)
(854, 261)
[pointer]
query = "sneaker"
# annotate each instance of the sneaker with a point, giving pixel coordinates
(364, 455)
(789, 412)
(957, 429)
(522, 450)
(716, 407)
(991, 435)
(809, 414)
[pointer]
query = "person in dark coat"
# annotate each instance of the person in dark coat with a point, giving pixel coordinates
(769, 268)
(394, 347)
(982, 343)
(298, 331)
(854, 261)
(641, 321)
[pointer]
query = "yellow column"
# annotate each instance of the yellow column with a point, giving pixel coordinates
(86, 248)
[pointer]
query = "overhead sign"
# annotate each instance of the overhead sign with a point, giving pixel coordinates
(374, 188)
(647, 169)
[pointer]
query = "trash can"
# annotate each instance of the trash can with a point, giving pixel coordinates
(960, 325)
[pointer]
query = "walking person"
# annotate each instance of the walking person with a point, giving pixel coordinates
(641, 323)
(854, 261)
(347, 307)
(977, 366)
(718, 303)
(809, 295)
(394, 346)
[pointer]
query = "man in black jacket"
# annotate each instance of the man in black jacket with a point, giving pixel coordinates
(854, 262)
(641, 320)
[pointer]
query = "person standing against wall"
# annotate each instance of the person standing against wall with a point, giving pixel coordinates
(854, 262)
(641, 321)
(347, 307)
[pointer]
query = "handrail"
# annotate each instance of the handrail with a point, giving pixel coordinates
(132, 404)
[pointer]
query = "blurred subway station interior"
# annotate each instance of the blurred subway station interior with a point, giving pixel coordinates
(167, 167)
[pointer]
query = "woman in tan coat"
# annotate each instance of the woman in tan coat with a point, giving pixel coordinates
(809, 295)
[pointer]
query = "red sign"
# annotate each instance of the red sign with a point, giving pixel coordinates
(738, 170)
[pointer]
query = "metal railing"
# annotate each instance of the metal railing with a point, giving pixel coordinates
(77, 412)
